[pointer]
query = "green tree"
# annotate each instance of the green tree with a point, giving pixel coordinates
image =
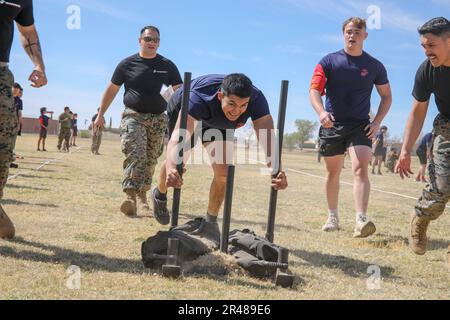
(305, 130)
(290, 140)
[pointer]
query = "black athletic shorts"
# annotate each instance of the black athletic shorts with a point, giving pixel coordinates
(422, 156)
(378, 151)
(207, 134)
(337, 139)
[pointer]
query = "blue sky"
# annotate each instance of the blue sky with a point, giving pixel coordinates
(269, 40)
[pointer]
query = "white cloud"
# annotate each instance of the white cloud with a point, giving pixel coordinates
(214, 54)
(392, 15)
(333, 38)
(103, 7)
(256, 59)
(258, 24)
(290, 49)
(442, 3)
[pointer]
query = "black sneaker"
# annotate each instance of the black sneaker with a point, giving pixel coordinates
(14, 165)
(208, 230)
(160, 211)
(189, 226)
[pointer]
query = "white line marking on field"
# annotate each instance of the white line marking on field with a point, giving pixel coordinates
(351, 184)
(45, 163)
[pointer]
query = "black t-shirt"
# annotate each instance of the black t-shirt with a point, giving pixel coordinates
(143, 79)
(433, 80)
(20, 11)
(94, 117)
(18, 104)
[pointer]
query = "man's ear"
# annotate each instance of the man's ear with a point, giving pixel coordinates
(366, 35)
(220, 95)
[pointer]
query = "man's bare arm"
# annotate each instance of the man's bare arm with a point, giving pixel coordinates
(30, 42)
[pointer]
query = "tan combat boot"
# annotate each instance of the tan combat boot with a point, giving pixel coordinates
(418, 234)
(142, 200)
(7, 230)
(128, 206)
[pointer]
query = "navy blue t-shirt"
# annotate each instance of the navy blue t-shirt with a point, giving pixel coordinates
(205, 106)
(426, 140)
(18, 104)
(349, 85)
(43, 119)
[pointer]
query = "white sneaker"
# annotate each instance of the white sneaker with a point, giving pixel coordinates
(364, 228)
(332, 224)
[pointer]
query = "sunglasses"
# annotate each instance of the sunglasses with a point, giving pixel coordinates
(150, 39)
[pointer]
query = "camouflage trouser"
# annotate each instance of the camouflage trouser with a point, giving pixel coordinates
(436, 193)
(8, 124)
(96, 140)
(64, 134)
(390, 163)
(142, 136)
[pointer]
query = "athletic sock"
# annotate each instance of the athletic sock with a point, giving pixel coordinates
(210, 218)
(160, 196)
(361, 216)
(333, 213)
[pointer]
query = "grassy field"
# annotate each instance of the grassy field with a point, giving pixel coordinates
(67, 214)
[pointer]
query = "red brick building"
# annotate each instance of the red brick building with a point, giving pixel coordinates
(31, 125)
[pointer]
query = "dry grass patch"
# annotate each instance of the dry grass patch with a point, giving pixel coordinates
(67, 214)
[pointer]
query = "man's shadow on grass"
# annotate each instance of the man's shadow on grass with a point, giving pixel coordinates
(14, 186)
(34, 176)
(56, 255)
(92, 262)
(17, 202)
(40, 163)
(351, 267)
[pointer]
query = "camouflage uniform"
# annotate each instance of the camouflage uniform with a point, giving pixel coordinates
(96, 140)
(390, 162)
(64, 131)
(8, 124)
(436, 193)
(142, 136)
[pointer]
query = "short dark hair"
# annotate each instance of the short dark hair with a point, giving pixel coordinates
(383, 127)
(17, 86)
(237, 84)
(359, 22)
(150, 28)
(43, 109)
(66, 108)
(437, 26)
